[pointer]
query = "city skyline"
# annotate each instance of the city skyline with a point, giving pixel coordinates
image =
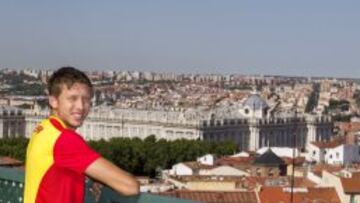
(234, 37)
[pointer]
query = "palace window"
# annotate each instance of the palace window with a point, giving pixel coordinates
(258, 172)
(271, 172)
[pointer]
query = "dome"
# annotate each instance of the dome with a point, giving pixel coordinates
(254, 101)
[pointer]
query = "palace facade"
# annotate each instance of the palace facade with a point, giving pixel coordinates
(251, 124)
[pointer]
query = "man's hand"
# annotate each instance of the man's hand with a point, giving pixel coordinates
(111, 175)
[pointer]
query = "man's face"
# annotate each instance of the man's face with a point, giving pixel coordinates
(72, 105)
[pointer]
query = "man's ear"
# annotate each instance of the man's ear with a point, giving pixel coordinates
(53, 102)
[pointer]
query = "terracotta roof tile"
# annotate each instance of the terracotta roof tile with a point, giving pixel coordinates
(316, 194)
(275, 195)
(356, 174)
(8, 161)
(302, 195)
(214, 197)
(235, 161)
(351, 185)
(330, 144)
(317, 169)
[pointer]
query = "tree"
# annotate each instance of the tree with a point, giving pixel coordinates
(14, 147)
(140, 157)
(145, 157)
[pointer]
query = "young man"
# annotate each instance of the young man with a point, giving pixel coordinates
(57, 158)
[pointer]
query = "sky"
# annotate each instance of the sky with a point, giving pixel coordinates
(277, 37)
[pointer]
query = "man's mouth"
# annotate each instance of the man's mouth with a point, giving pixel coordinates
(77, 116)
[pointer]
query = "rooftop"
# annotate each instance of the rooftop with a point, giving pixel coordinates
(10, 162)
(351, 185)
(301, 195)
(215, 197)
(269, 158)
(330, 144)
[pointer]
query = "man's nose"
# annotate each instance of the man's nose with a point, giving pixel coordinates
(80, 104)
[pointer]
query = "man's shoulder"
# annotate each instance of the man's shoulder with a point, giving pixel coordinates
(70, 142)
(42, 126)
(71, 136)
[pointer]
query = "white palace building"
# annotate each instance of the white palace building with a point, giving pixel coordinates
(251, 125)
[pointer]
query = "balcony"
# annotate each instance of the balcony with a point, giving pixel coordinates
(12, 186)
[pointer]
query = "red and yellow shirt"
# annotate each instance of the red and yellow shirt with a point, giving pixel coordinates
(56, 159)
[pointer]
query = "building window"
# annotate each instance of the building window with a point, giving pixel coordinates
(232, 122)
(246, 111)
(271, 173)
(258, 172)
(314, 152)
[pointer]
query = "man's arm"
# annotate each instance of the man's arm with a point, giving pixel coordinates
(111, 175)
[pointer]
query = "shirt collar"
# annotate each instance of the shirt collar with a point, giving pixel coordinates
(58, 123)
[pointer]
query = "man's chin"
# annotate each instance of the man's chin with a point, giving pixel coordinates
(75, 125)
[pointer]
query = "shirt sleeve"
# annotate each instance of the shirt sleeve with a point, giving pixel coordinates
(72, 152)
